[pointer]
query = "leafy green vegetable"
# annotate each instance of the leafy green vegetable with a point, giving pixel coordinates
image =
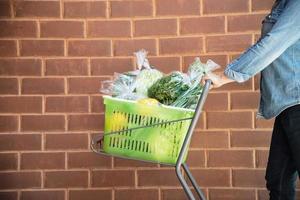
(167, 89)
(145, 79)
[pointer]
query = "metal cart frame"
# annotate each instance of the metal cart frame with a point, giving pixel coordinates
(179, 164)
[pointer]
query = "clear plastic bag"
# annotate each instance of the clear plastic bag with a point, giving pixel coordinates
(196, 71)
(132, 85)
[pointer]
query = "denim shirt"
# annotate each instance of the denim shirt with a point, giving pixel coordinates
(277, 56)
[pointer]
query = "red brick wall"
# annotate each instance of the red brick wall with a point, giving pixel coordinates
(54, 55)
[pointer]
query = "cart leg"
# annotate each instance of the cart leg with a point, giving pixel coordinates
(184, 184)
(193, 181)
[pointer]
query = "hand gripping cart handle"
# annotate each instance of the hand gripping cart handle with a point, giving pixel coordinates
(95, 147)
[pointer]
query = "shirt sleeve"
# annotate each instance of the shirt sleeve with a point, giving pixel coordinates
(285, 32)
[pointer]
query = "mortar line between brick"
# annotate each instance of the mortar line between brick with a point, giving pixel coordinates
(178, 26)
(108, 10)
(201, 8)
(38, 28)
(66, 193)
(113, 194)
(159, 194)
(250, 6)
(18, 194)
(11, 4)
(61, 8)
(154, 8)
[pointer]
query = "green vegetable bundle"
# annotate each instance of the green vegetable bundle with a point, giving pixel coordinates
(167, 89)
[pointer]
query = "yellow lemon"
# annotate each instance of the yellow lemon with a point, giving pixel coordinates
(148, 101)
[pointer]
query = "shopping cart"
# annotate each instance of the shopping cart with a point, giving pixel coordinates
(115, 144)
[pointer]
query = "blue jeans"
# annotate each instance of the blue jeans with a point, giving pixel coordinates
(284, 156)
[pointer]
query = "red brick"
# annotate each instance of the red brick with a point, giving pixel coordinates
(227, 6)
(90, 194)
(8, 195)
(89, 48)
(8, 123)
(66, 67)
(196, 158)
(67, 104)
(181, 45)
(42, 123)
(262, 123)
(97, 104)
(112, 178)
(87, 85)
(20, 180)
(155, 27)
(9, 161)
(261, 158)
(229, 119)
(244, 100)
(136, 194)
(128, 47)
(264, 194)
(162, 177)
(165, 64)
(250, 138)
(231, 194)
(66, 141)
(219, 59)
(125, 163)
(108, 66)
(177, 7)
(20, 67)
(62, 29)
(210, 139)
(18, 29)
(262, 5)
(244, 23)
(8, 48)
(202, 25)
(21, 104)
(45, 195)
(42, 161)
(91, 160)
(248, 178)
(216, 102)
(42, 47)
(36, 8)
(230, 158)
(61, 179)
(228, 43)
(131, 8)
(109, 29)
(9, 86)
(5, 9)
(84, 9)
(200, 123)
(86, 122)
(43, 86)
(18, 142)
(212, 177)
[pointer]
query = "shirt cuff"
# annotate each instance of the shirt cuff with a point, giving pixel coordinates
(234, 75)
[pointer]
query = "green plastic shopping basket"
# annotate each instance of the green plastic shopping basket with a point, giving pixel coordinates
(159, 134)
(144, 132)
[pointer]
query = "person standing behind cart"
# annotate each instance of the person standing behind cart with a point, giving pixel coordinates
(277, 56)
